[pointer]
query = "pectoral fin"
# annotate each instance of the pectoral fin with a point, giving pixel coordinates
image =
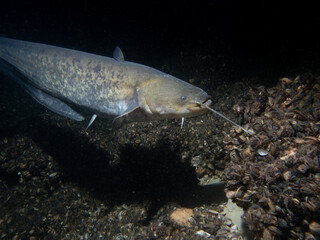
(52, 103)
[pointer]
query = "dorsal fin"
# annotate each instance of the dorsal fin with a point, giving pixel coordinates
(117, 54)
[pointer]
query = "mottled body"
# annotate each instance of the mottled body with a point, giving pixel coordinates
(57, 77)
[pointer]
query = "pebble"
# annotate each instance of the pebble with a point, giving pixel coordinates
(181, 216)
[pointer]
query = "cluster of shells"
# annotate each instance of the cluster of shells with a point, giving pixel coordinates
(274, 174)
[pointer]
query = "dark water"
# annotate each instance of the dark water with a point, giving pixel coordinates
(233, 39)
(210, 43)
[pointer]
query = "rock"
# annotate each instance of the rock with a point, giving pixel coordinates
(181, 216)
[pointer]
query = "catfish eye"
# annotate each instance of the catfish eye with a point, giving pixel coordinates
(183, 98)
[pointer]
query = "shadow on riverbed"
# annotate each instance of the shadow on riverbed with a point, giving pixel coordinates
(142, 174)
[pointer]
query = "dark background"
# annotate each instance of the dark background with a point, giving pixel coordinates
(237, 39)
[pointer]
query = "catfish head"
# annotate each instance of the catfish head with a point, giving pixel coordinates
(169, 97)
(164, 96)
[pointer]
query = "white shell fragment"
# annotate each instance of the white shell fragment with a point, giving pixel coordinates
(262, 152)
(203, 234)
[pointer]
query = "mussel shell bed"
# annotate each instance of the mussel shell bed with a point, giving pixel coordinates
(278, 168)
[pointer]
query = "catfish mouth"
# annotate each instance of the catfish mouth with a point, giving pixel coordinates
(206, 102)
(199, 107)
(202, 105)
